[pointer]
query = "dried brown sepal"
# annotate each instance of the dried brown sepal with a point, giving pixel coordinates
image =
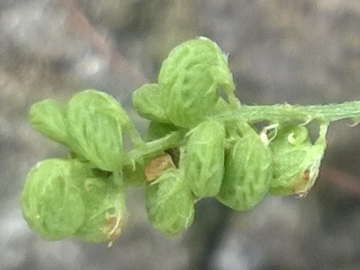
(157, 166)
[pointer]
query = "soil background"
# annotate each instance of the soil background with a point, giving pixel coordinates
(297, 52)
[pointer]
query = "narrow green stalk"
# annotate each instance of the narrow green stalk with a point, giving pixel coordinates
(157, 146)
(252, 114)
(290, 113)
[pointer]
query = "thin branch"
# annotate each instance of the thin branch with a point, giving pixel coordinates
(103, 45)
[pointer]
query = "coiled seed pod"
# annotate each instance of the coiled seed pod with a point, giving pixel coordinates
(169, 203)
(95, 124)
(147, 103)
(296, 159)
(204, 158)
(190, 80)
(248, 171)
(48, 117)
(50, 201)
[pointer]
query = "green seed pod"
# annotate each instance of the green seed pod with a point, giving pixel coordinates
(296, 160)
(169, 203)
(50, 201)
(95, 124)
(105, 212)
(248, 171)
(147, 103)
(204, 158)
(190, 80)
(48, 117)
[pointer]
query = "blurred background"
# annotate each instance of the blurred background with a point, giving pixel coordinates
(294, 51)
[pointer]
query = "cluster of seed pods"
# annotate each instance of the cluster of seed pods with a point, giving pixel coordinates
(228, 160)
(83, 195)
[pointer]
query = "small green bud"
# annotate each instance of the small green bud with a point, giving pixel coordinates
(190, 80)
(48, 117)
(147, 103)
(296, 160)
(169, 203)
(51, 203)
(204, 158)
(248, 171)
(95, 124)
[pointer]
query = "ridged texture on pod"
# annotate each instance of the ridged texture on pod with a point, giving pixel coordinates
(296, 160)
(94, 123)
(51, 203)
(105, 212)
(147, 102)
(48, 117)
(204, 158)
(190, 80)
(64, 198)
(169, 203)
(248, 171)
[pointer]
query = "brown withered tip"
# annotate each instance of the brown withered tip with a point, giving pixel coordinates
(306, 175)
(158, 166)
(113, 227)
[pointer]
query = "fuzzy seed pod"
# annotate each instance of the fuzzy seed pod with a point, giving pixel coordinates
(169, 203)
(64, 198)
(50, 201)
(190, 80)
(204, 158)
(105, 212)
(296, 160)
(147, 103)
(248, 171)
(48, 117)
(95, 124)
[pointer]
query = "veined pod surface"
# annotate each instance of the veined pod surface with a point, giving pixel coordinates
(105, 212)
(95, 124)
(50, 201)
(48, 117)
(296, 159)
(248, 171)
(190, 80)
(169, 203)
(147, 103)
(204, 158)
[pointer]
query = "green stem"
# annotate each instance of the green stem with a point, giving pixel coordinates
(253, 114)
(291, 113)
(154, 147)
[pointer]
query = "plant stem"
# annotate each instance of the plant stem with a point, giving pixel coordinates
(291, 113)
(252, 114)
(154, 147)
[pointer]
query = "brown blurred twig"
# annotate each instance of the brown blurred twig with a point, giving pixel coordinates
(103, 45)
(345, 181)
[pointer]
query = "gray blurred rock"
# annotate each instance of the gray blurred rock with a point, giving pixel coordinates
(292, 51)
